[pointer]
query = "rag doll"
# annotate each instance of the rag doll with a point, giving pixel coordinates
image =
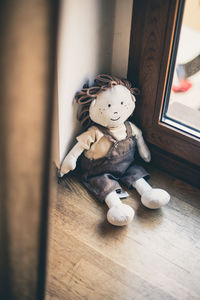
(105, 151)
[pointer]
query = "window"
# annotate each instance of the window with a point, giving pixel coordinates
(153, 49)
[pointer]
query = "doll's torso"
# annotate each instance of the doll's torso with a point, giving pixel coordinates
(116, 161)
(97, 141)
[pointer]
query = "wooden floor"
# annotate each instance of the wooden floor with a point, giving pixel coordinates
(156, 257)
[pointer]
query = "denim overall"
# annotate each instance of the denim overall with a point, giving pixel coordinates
(102, 176)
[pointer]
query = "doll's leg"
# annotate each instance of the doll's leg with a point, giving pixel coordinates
(103, 187)
(119, 214)
(151, 197)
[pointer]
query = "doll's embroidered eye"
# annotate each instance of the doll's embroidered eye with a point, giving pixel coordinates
(109, 105)
(122, 103)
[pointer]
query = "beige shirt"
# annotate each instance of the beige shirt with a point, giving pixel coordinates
(97, 145)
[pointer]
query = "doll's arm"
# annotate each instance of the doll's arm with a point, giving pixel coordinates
(70, 160)
(85, 140)
(143, 149)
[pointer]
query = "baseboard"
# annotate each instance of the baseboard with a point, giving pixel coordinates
(176, 166)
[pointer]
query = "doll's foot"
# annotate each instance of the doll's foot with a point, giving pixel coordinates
(155, 198)
(120, 215)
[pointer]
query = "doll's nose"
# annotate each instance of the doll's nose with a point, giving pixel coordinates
(115, 112)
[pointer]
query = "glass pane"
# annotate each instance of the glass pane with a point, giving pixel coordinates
(182, 99)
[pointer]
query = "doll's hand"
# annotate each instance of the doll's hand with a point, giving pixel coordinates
(70, 160)
(143, 150)
(145, 153)
(68, 164)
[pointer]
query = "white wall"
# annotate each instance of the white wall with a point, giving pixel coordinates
(88, 30)
(121, 37)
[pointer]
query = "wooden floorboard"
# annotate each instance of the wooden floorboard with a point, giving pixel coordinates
(155, 257)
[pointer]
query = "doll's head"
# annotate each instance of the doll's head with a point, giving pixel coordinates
(110, 102)
(112, 107)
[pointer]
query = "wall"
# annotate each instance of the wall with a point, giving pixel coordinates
(93, 38)
(192, 14)
(121, 37)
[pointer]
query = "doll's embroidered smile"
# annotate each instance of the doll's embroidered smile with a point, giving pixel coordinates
(115, 119)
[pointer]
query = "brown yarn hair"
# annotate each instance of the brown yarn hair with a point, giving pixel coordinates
(101, 83)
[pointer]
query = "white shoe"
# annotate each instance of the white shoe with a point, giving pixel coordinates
(155, 198)
(120, 215)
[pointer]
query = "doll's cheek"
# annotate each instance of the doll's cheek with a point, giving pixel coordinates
(132, 107)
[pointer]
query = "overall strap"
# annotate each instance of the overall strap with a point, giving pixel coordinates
(106, 132)
(128, 129)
